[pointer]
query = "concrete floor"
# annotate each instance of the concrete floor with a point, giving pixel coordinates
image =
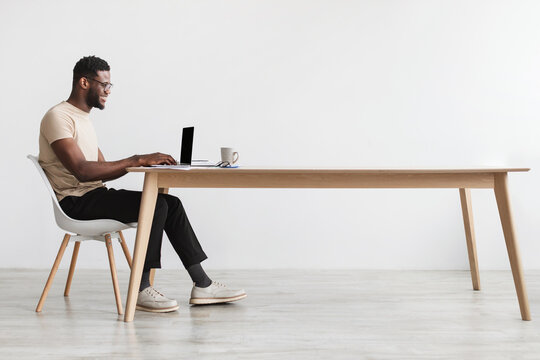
(299, 314)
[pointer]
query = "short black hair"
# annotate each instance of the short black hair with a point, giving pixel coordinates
(89, 66)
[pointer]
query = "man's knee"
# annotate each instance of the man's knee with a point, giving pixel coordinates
(173, 202)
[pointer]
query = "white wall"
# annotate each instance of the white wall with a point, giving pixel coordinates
(367, 83)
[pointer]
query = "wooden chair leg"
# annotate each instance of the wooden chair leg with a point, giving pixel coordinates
(125, 248)
(466, 208)
(72, 267)
(53, 273)
(152, 275)
(116, 288)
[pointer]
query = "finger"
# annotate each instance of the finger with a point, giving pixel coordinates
(164, 160)
(167, 161)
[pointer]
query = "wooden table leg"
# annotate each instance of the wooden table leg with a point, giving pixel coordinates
(466, 208)
(146, 215)
(503, 203)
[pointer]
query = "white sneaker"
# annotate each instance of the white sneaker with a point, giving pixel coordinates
(215, 294)
(153, 301)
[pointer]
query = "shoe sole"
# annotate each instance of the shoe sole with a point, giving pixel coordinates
(157, 310)
(206, 301)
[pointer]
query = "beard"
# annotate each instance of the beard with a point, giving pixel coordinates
(92, 100)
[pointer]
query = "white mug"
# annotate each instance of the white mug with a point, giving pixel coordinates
(229, 155)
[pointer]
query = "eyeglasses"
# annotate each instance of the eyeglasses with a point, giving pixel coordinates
(223, 164)
(106, 85)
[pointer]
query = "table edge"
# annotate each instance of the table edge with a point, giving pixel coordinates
(326, 171)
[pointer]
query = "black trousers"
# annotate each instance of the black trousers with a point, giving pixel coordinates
(123, 206)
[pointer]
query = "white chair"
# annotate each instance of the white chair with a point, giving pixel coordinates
(81, 230)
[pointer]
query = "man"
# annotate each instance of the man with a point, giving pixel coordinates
(76, 168)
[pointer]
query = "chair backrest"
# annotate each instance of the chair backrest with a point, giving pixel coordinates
(94, 228)
(59, 214)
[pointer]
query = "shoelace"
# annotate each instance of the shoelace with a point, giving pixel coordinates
(152, 292)
(218, 284)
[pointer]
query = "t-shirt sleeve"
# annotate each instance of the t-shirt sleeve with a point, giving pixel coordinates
(57, 125)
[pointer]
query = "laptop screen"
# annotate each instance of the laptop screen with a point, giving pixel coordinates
(187, 145)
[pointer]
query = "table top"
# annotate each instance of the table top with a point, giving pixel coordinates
(276, 170)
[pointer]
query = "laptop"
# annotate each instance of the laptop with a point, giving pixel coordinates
(186, 150)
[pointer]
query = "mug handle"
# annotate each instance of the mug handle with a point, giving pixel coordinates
(235, 159)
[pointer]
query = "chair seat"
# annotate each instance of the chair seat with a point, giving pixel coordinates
(92, 227)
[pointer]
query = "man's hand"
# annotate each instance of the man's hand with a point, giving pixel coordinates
(155, 159)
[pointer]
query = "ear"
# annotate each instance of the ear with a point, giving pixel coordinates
(84, 83)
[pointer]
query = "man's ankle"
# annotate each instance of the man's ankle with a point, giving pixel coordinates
(145, 280)
(198, 276)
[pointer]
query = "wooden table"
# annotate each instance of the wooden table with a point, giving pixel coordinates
(160, 180)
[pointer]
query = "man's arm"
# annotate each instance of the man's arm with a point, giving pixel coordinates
(71, 156)
(101, 159)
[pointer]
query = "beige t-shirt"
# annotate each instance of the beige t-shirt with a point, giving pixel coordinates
(67, 121)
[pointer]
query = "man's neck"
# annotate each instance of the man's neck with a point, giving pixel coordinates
(79, 103)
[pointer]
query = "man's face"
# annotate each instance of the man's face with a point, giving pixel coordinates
(97, 95)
